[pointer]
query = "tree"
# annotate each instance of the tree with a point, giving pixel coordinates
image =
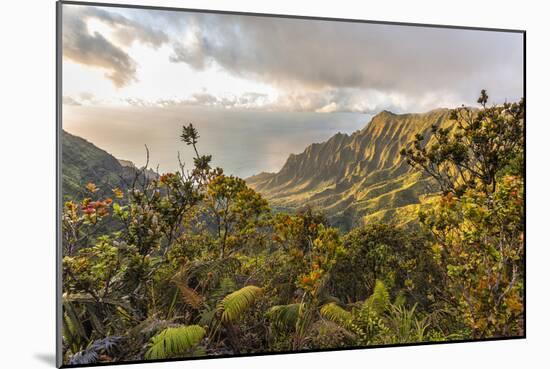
(478, 223)
(236, 213)
(475, 151)
(312, 293)
(110, 279)
(400, 257)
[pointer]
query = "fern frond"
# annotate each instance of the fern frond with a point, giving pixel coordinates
(174, 342)
(335, 313)
(72, 322)
(225, 287)
(147, 328)
(405, 325)
(209, 272)
(285, 315)
(328, 334)
(108, 345)
(233, 305)
(379, 301)
(189, 295)
(207, 317)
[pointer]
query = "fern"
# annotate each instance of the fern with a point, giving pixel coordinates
(208, 272)
(108, 345)
(84, 357)
(73, 330)
(379, 301)
(285, 315)
(233, 305)
(173, 342)
(405, 326)
(226, 286)
(335, 314)
(190, 296)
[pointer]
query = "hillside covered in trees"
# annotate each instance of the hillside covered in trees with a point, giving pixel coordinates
(351, 177)
(317, 256)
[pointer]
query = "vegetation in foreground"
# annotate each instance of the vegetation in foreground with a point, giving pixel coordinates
(196, 263)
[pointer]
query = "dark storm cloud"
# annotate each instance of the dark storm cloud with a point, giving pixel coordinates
(93, 49)
(294, 53)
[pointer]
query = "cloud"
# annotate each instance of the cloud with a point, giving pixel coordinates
(318, 56)
(95, 50)
(87, 96)
(329, 108)
(248, 100)
(307, 65)
(192, 52)
(346, 100)
(127, 31)
(83, 99)
(357, 100)
(253, 98)
(68, 100)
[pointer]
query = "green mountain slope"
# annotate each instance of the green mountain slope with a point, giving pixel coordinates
(357, 176)
(83, 162)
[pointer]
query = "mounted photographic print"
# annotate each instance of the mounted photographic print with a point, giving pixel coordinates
(235, 184)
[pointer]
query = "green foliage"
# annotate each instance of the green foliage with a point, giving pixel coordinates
(85, 163)
(379, 300)
(237, 213)
(480, 243)
(400, 257)
(326, 334)
(289, 256)
(474, 152)
(405, 326)
(367, 322)
(225, 287)
(335, 313)
(196, 262)
(285, 316)
(352, 176)
(236, 303)
(175, 342)
(478, 222)
(74, 333)
(378, 321)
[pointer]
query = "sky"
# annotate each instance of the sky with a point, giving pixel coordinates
(291, 81)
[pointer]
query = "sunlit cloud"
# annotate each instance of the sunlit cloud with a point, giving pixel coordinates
(91, 48)
(68, 100)
(305, 54)
(134, 76)
(158, 58)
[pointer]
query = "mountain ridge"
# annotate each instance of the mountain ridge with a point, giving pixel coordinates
(84, 162)
(351, 177)
(356, 175)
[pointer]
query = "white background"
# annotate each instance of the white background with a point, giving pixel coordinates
(27, 185)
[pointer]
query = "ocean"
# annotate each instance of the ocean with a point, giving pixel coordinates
(242, 142)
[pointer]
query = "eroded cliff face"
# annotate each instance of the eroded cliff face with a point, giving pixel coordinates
(357, 175)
